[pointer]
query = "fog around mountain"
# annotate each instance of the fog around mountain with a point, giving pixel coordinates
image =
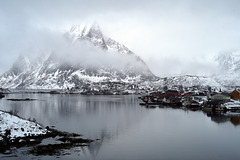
(187, 34)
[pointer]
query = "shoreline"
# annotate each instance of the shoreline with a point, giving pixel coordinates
(24, 137)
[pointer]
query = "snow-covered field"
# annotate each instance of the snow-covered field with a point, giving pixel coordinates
(19, 127)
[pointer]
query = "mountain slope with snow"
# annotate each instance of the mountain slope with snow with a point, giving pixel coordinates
(229, 68)
(188, 81)
(228, 74)
(90, 58)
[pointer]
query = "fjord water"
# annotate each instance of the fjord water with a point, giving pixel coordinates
(127, 130)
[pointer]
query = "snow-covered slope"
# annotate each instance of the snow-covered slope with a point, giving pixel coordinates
(94, 35)
(229, 68)
(18, 127)
(101, 60)
(188, 81)
(228, 74)
(93, 57)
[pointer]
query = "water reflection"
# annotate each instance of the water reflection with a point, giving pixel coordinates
(94, 148)
(217, 117)
(88, 115)
(221, 117)
(96, 117)
(125, 130)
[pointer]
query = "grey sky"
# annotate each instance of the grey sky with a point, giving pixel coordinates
(183, 33)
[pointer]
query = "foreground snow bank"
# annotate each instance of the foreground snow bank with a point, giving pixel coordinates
(16, 132)
(14, 126)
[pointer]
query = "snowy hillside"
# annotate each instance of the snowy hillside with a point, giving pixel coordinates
(90, 58)
(228, 74)
(188, 81)
(87, 56)
(229, 65)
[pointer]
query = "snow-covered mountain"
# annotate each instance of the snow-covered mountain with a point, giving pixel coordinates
(229, 68)
(93, 34)
(102, 60)
(227, 74)
(88, 56)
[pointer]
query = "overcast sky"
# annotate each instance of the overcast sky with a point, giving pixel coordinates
(173, 37)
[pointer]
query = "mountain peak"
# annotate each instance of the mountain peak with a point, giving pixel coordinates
(86, 30)
(91, 32)
(94, 26)
(21, 64)
(80, 30)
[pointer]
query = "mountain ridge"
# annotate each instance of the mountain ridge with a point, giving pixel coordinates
(103, 59)
(56, 71)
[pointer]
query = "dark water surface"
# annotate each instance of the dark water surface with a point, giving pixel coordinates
(129, 131)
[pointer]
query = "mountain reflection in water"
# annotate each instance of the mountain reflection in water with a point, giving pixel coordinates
(125, 130)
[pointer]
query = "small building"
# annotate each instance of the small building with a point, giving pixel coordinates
(235, 94)
(213, 103)
(172, 93)
(225, 97)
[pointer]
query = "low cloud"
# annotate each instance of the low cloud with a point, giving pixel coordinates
(80, 53)
(185, 34)
(86, 54)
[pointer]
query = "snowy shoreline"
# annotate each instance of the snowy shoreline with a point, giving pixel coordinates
(18, 132)
(13, 127)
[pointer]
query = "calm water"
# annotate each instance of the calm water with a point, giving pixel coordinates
(129, 131)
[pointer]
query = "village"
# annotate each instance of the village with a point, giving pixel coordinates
(207, 99)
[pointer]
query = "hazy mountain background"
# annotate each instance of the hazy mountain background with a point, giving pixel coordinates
(85, 54)
(186, 34)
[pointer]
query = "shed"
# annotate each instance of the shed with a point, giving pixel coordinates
(235, 94)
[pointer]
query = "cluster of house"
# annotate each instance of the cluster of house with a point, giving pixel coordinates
(196, 99)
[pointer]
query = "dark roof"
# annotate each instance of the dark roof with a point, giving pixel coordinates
(223, 94)
(201, 94)
(154, 93)
(175, 91)
(214, 102)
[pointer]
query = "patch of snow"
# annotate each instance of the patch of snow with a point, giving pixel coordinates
(19, 127)
(87, 77)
